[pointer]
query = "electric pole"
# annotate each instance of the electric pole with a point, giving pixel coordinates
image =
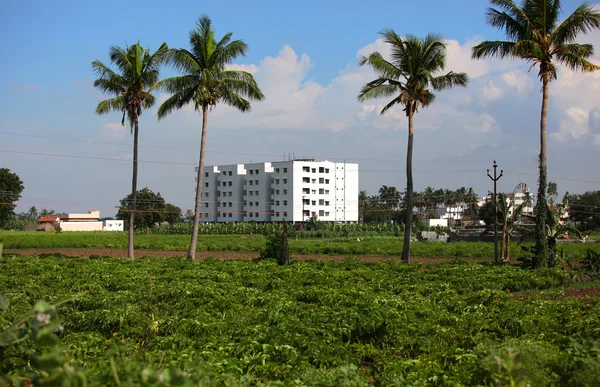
(495, 180)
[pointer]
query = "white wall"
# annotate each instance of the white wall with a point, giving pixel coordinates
(80, 226)
(112, 225)
(437, 222)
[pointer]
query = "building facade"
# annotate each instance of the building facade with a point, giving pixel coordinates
(293, 190)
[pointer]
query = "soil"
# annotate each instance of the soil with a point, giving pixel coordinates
(226, 255)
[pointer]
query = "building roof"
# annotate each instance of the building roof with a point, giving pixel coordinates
(48, 219)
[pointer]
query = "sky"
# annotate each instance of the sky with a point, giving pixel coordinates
(304, 56)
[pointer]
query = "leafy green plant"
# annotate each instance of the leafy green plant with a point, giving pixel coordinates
(592, 259)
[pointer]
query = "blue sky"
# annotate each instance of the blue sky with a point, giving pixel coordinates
(304, 56)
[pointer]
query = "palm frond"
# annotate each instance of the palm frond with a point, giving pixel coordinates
(110, 86)
(449, 80)
(584, 19)
(235, 100)
(377, 89)
(176, 84)
(390, 105)
(184, 61)
(227, 54)
(176, 102)
(494, 49)
(581, 50)
(512, 28)
(382, 67)
(575, 62)
(117, 104)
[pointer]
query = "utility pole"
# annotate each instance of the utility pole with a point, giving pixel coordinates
(495, 180)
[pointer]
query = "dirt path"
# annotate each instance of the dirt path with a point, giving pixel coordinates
(201, 255)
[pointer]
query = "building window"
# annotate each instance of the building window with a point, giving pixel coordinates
(277, 214)
(326, 181)
(230, 204)
(285, 191)
(284, 170)
(251, 193)
(206, 185)
(306, 180)
(252, 171)
(255, 193)
(321, 169)
(218, 194)
(251, 204)
(276, 192)
(321, 213)
(326, 203)
(314, 170)
(321, 202)
(314, 202)
(327, 214)
(257, 214)
(321, 180)
(326, 192)
(321, 191)
(256, 204)
(251, 182)
(314, 191)
(314, 181)
(230, 193)
(305, 190)
(284, 213)
(230, 214)
(276, 181)
(224, 173)
(230, 183)
(206, 194)
(285, 202)
(326, 170)
(206, 174)
(206, 205)
(272, 191)
(306, 201)
(306, 213)
(305, 169)
(218, 183)
(256, 171)
(250, 214)
(277, 203)
(284, 181)
(276, 170)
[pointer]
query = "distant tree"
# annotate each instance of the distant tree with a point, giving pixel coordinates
(139, 72)
(409, 77)
(585, 210)
(45, 212)
(535, 34)
(204, 83)
(30, 216)
(152, 209)
(486, 213)
(11, 187)
(552, 192)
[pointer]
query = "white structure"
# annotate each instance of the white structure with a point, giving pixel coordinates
(437, 222)
(454, 212)
(273, 191)
(518, 199)
(83, 222)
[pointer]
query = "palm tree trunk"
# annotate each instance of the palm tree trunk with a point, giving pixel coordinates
(192, 250)
(409, 189)
(541, 236)
(133, 204)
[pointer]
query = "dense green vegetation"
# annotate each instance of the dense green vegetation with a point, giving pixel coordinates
(310, 323)
(376, 245)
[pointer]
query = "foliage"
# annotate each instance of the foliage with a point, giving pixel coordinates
(309, 323)
(585, 210)
(11, 187)
(487, 212)
(151, 210)
(592, 258)
(277, 247)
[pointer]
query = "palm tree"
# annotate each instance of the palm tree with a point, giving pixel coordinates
(205, 82)
(535, 35)
(138, 73)
(409, 76)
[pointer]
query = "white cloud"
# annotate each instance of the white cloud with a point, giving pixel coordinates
(113, 130)
(576, 124)
(491, 92)
(485, 123)
(336, 126)
(519, 80)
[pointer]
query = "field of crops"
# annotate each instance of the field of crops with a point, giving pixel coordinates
(319, 323)
(385, 246)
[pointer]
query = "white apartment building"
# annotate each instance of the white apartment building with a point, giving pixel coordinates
(518, 199)
(293, 190)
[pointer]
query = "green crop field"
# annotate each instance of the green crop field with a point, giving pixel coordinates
(319, 323)
(375, 245)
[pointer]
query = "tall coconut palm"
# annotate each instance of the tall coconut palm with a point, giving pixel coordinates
(408, 76)
(536, 35)
(205, 82)
(138, 71)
